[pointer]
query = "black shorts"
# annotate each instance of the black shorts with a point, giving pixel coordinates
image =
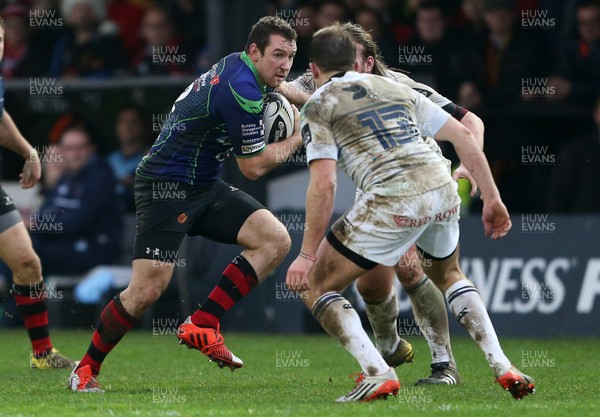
(9, 215)
(167, 211)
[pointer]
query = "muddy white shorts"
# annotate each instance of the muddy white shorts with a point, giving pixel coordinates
(381, 229)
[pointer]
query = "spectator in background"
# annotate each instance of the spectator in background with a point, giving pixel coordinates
(504, 58)
(329, 12)
(53, 169)
(16, 38)
(128, 15)
(497, 65)
(164, 52)
(404, 17)
(80, 221)
(91, 48)
(43, 35)
(574, 185)
(189, 18)
(304, 23)
(471, 18)
(577, 76)
(131, 136)
(432, 56)
(28, 42)
(372, 22)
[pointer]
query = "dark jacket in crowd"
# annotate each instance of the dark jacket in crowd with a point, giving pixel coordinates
(79, 225)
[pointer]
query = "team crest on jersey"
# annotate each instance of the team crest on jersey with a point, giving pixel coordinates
(426, 93)
(359, 91)
(182, 218)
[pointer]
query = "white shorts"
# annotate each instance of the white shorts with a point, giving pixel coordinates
(381, 229)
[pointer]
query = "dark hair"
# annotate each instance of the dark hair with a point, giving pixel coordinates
(130, 107)
(267, 26)
(74, 122)
(78, 128)
(339, 3)
(491, 5)
(332, 49)
(369, 47)
(431, 5)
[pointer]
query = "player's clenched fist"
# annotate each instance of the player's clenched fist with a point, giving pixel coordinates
(496, 219)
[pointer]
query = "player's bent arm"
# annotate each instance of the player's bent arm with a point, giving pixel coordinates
(273, 155)
(471, 156)
(320, 197)
(293, 93)
(475, 125)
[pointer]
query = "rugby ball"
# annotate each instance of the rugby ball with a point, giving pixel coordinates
(278, 117)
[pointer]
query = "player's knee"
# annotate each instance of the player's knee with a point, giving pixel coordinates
(146, 288)
(371, 291)
(409, 274)
(444, 277)
(152, 294)
(451, 276)
(27, 267)
(147, 296)
(278, 243)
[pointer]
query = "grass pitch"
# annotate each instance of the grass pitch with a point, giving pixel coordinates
(291, 376)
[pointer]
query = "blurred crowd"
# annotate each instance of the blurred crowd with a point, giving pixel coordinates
(529, 68)
(476, 52)
(100, 39)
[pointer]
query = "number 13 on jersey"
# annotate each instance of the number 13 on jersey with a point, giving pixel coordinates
(390, 124)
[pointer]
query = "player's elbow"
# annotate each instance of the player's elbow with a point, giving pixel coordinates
(455, 132)
(461, 133)
(326, 184)
(252, 171)
(465, 133)
(473, 123)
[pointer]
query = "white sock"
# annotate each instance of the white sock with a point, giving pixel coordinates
(383, 318)
(467, 305)
(341, 321)
(429, 309)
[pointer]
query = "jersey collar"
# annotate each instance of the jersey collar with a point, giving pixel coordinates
(244, 56)
(336, 75)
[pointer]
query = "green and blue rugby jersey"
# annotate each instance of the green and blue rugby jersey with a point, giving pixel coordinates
(219, 112)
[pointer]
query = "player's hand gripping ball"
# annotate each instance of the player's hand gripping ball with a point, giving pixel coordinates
(278, 117)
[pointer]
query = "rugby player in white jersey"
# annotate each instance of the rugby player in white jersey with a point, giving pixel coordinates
(376, 287)
(372, 128)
